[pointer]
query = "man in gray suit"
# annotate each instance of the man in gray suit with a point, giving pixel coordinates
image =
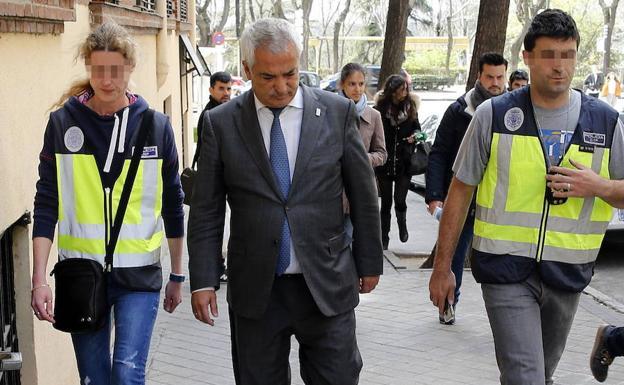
(282, 154)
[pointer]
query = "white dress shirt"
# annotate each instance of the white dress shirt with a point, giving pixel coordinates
(290, 121)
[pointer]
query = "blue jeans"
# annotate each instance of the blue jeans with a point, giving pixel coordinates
(134, 314)
(463, 245)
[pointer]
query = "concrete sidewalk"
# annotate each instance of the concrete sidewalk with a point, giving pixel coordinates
(399, 336)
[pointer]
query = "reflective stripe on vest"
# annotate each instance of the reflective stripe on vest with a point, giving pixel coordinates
(511, 205)
(83, 220)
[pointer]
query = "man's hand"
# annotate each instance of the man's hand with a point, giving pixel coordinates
(368, 284)
(579, 182)
(204, 303)
(432, 206)
(442, 288)
(173, 296)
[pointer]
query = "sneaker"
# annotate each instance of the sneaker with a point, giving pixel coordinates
(600, 358)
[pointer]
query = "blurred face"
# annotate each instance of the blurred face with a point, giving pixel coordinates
(552, 64)
(400, 94)
(274, 77)
(354, 86)
(518, 83)
(221, 91)
(493, 78)
(109, 74)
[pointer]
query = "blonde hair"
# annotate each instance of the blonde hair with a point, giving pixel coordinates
(109, 36)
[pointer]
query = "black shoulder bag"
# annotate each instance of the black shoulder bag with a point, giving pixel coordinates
(81, 303)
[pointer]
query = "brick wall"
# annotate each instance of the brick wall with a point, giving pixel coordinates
(36, 16)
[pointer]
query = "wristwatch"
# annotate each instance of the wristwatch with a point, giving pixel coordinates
(176, 277)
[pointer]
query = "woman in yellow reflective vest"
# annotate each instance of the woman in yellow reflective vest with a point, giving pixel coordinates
(87, 148)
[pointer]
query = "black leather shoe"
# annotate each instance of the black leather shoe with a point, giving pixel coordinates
(385, 242)
(600, 358)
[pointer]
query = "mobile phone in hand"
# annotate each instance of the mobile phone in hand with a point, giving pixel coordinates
(449, 312)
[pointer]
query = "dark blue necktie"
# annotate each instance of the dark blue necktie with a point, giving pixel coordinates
(281, 168)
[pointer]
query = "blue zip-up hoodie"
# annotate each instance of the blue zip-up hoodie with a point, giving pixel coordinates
(98, 131)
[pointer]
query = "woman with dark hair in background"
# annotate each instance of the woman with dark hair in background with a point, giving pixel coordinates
(399, 115)
(353, 86)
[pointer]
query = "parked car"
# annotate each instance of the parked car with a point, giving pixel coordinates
(331, 82)
(309, 78)
(429, 125)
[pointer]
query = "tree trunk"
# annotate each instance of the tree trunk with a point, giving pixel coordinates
(490, 36)
(609, 14)
(224, 17)
(307, 8)
(525, 12)
(278, 9)
(252, 15)
(394, 40)
(337, 27)
(203, 23)
(449, 46)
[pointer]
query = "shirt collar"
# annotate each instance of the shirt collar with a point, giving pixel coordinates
(296, 102)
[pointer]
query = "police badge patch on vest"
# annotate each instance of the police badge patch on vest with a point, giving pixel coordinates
(149, 152)
(593, 138)
(514, 118)
(74, 139)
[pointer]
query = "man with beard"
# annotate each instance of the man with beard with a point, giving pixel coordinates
(490, 82)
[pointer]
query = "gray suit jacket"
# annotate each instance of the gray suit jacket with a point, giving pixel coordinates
(234, 165)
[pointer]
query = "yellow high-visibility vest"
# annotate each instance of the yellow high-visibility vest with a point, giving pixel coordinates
(87, 211)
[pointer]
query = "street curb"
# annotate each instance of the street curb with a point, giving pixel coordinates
(597, 295)
(394, 260)
(604, 299)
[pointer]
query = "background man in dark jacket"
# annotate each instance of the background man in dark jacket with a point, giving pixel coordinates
(490, 82)
(220, 92)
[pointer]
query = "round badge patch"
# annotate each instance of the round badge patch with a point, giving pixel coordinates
(74, 139)
(514, 118)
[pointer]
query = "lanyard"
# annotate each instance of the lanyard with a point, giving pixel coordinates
(564, 132)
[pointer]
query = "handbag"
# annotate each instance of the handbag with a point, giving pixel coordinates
(81, 303)
(418, 159)
(187, 178)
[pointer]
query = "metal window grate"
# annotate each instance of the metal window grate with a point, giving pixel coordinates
(170, 8)
(183, 10)
(8, 342)
(147, 5)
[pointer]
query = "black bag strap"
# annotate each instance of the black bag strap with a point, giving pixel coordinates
(146, 124)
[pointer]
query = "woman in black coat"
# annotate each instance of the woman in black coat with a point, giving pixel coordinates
(399, 114)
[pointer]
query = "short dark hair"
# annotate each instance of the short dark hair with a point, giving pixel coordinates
(493, 59)
(220, 76)
(518, 75)
(350, 68)
(553, 23)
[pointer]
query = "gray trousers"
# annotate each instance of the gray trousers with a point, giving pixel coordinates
(530, 323)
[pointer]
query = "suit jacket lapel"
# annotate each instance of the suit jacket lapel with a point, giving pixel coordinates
(311, 125)
(249, 130)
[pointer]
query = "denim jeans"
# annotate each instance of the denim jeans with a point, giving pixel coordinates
(463, 246)
(134, 315)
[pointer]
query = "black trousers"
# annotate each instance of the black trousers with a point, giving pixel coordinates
(401, 186)
(328, 351)
(615, 342)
